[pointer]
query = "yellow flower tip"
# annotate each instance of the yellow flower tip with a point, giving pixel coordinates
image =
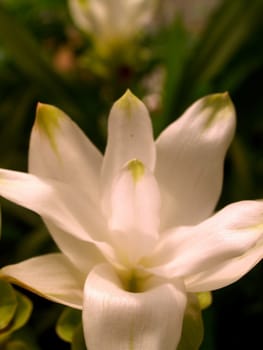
(136, 168)
(219, 106)
(127, 101)
(47, 116)
(47, 120)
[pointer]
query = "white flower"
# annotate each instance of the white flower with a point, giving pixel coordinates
(110, 21)
(136, 227)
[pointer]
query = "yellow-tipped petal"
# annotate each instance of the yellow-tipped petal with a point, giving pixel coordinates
(47, 121)
(190, 160)
(137, 169)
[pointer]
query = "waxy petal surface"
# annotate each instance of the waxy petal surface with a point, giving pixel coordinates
(135, 209)
(226, 273)
(229, 234)
(83, 255)
(190, 155)
(51, 276)
(59, 205)
(130, 137)
(60, 150)
(116, 319)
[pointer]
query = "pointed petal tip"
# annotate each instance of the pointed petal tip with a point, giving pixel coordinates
(221, 108)
(47, 120)
(47, 115)
(127, 101)
(220, 98)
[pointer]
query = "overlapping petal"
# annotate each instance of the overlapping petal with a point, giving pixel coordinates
(83, 255)
(232, 233)
(226, 273)
(58, 204)
(51, 276)
(116, 319)
(134, 214)
(60, 150)
(190, 156)
(130, 137)
(52, 200)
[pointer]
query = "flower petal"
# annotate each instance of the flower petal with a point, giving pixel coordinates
(226, 273)
(50, 199)
(102, 17)
(59, 204)
(190, 155)
(232, 233)
(114, 318)
(51, 276)
(83, 255)
(60, 150)
(129, 137)
(134, 214)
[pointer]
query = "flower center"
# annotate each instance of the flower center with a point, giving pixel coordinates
(133, 280)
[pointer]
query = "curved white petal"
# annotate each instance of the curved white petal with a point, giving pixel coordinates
(190, 155)
(59, 204)
(230, 234)
(116, 319)
(51, 200)
(226, 273)
(81, 15)
(129, 137)
(83, 255)
(102, 17)
(134, 214)
(61, 151)
(51, 276)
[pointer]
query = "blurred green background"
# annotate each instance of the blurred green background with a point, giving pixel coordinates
(198, 50)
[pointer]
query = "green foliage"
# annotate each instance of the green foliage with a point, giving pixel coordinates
(204, 299)
(78, 342)
(192, 333)
(67, 324)
(16, 345)
(69, 328)
(15, 310)
(8, 304)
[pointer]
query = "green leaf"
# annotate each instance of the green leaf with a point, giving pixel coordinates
(67, 324)
(78, 341)
(8, 304)
(205, 299)
(192, 333)
(221, 39)
(25, 336)
(19, 317)
(16, 345)
(32, 60)
(174, 49)
(23, 312)
(219, 45)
